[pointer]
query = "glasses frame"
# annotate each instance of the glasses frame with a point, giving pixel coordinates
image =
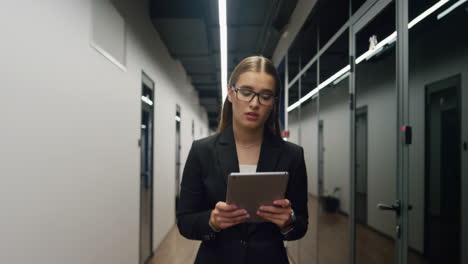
(255, 94)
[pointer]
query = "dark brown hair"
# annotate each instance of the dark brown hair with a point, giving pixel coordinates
(254, 64)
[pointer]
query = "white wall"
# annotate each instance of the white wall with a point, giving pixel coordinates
(69, 185)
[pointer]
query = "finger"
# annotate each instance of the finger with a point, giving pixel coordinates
(274, 209)
(280, 217)
(222, 206)
(227, 225)
(285, 203)
(228, 220)
(230, 214)
(274, 220)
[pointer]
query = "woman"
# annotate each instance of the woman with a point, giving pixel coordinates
(249, 140)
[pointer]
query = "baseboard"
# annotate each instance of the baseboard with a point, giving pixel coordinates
(343, 213)
(291, 260)
(164, 239)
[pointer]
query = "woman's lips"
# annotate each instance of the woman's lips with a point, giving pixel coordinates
(252, 116)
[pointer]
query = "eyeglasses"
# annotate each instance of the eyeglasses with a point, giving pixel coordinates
(246, 95)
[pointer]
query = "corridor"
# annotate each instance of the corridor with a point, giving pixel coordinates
(102, 102)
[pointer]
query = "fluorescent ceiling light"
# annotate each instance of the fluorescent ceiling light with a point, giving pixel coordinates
(223, 47)
(343, 73)
(309, 95)
(146, 100)
(426, 13)
(344, 76)
(335, 76)
(293, 106)
(450, 9)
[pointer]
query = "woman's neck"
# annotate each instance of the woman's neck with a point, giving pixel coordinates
(247, 137)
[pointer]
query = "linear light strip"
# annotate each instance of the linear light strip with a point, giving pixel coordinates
(334, 77)
(427, 13)
(223, 47)
(344, 76)
(146, 100)
(368, 54)
(450, 9)
(317, 89)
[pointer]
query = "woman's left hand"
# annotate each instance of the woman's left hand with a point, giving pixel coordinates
(279, 214)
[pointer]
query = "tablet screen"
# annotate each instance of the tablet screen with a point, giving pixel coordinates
(251, 190)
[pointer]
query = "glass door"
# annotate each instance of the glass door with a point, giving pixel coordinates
(146, 169)
(438, 100)
(375, 225)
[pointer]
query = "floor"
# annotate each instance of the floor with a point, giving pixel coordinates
(176, 249)
(332, 248)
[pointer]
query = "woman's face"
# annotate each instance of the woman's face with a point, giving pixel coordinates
(252, 115)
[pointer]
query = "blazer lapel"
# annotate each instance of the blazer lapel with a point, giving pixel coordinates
(269, 153)
(226, 153)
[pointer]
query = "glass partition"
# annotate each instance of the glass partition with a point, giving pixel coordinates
(309, 139)
(333, 154)
(375, 154)
(438, 77)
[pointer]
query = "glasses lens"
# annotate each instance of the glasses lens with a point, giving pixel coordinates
(247, 95)
(266, 99)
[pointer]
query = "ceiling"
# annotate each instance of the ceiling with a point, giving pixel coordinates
(190, 31)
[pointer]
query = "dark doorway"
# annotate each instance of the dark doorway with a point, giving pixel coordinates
(443, 171)
(361, 165)
(177, 158)
(146, 169)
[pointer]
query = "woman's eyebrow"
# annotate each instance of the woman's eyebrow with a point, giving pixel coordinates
(247, 87)
(266, 90)
(251, 88)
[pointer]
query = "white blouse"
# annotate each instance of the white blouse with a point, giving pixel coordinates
(247, 168)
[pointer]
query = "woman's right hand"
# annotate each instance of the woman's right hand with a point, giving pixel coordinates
(226, 215)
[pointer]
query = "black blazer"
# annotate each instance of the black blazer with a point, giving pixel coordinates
(204, 184)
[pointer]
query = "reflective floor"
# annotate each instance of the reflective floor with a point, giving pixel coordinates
(372, 246)
(175, 249)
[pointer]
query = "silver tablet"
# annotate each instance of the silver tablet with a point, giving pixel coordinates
(251, 190)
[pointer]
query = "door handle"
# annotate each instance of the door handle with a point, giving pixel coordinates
(396, 207)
